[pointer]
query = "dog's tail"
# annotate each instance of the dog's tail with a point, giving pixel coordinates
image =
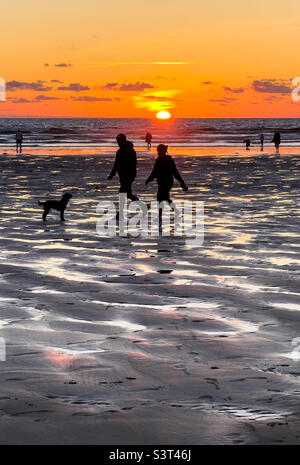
(41, 203)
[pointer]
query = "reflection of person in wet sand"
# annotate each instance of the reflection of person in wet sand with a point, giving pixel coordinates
(247, 142)
(277, 141)
(148, 139)
(19, 141)
(125, 166)
(164, 171)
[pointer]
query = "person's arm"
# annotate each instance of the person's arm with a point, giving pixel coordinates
(177, 176)
(114, 169)
(152, 175)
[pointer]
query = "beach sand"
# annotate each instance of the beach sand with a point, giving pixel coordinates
(145, 340)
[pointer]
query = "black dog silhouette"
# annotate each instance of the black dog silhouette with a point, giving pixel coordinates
(59, 205)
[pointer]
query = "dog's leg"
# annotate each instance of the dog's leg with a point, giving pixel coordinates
(62, 218)
(46, 211)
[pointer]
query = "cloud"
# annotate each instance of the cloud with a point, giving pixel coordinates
(63, 65)
(134, 63)
(138, 86)
(110, 86)
(170, 63)
(37, 86)
(272, 98)
(22, 100)
(161, 99)
(223, 101)
(238, 90)
(57, 81)
(75, 87)
(90, 98)
(46, 64)
(45, 98)
(207, 83)
(157, 101)
(271, 86)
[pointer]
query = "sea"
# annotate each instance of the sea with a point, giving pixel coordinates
(93, 135)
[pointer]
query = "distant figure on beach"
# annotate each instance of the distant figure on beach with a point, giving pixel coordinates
(247, 142)
(164, 171)
(19, 141)
(277, 141)
(262, 139)
(125, 165)
(148, 139)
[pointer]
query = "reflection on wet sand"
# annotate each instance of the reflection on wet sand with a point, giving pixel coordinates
(147, 328)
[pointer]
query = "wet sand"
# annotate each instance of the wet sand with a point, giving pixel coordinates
(146, 341)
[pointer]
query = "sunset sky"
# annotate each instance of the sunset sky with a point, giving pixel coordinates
(132, 58)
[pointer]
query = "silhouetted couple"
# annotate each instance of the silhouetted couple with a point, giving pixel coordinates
(276, 141)
(164, 170)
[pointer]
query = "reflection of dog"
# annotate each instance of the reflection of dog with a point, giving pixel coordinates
(59, 205)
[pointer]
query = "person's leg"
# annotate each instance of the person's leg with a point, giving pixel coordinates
(163, 195)
(126, 188)
(20, 147)
(17, 147)
(132, 197)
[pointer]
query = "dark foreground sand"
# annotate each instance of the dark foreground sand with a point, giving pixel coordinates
(105, 348)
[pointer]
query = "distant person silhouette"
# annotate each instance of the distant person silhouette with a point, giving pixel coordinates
(277, 141)
(148, 139)
(125, 165)
(19, 141)
(247, 142)
(262, 139)
(164, 171)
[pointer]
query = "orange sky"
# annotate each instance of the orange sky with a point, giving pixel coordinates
(132, 58)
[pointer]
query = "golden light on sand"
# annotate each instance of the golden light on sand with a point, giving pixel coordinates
(163, 115)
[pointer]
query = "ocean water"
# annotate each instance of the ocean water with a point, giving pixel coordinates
(79, 134)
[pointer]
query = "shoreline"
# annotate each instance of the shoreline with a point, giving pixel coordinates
(173, 150)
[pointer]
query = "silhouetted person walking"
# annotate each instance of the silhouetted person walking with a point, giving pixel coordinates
(262, 139)
(277, 141)
(148, 139)
(19, 141)
(125, 166)
(247, 142)
(164, 171)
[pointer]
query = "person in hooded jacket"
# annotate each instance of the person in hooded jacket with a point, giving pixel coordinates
(125, 165)
(164, 171)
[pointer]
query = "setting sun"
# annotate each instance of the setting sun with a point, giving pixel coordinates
(163, 115)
